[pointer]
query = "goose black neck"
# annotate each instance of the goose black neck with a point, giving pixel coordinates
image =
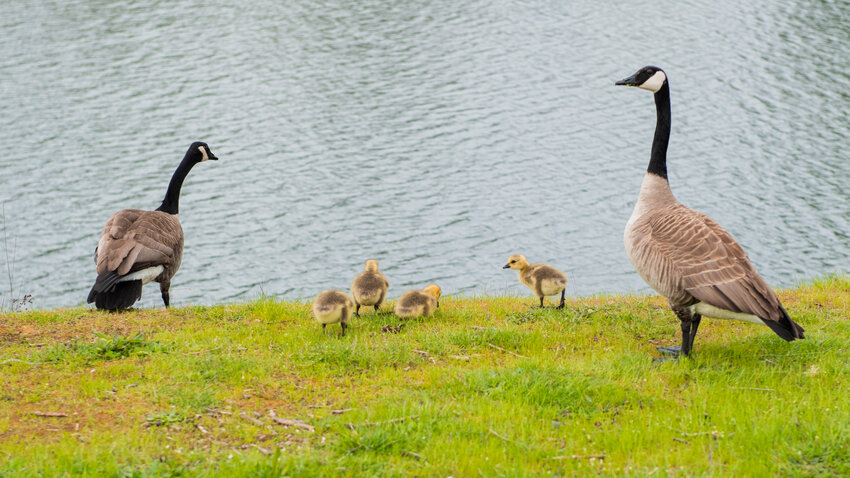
(172, 196)
(658, 160)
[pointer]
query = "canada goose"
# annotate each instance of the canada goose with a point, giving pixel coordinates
(137, 246)
(684, 255)
(369, 287)
(544, 280)
(332, 306)
(418, 303)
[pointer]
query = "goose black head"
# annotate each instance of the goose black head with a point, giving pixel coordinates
(201, 152)
(649, 78)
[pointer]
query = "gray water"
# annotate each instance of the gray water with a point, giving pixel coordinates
(438, 137)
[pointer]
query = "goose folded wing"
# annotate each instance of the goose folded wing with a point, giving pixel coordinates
(711, 265)
(134, 240)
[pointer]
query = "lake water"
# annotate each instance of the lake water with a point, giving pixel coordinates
(438, 137)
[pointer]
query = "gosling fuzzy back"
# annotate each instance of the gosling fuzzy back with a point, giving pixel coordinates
(418, 303)
(369, 287)
(332, 306)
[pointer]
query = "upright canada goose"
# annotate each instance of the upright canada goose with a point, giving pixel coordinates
(137, 247)
(418, 303)
(687, 257)
(369, 287)
(544, 280)
(332, 306)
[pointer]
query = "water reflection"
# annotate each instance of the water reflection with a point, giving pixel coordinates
(437, 137)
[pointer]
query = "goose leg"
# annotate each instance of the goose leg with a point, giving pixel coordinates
(695, 320)
(561, 305)
(343, 328)
(357, 311)
(690, 323)
(163, 288)
(541, 301)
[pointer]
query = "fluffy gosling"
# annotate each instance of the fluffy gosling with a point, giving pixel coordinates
(544, 280)
(332, 306)
(418, 303)
(369, 287)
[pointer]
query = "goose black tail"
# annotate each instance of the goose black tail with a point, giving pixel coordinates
(120, 296)
(785, 327)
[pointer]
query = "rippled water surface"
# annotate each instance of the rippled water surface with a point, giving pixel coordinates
(438, 137)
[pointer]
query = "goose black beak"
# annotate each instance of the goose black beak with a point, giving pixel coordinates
(212, 156)
(506, 266)
(630, 81)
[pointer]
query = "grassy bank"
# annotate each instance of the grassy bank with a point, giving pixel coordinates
(487, 387)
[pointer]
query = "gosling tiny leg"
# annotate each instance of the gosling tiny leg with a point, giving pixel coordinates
(563, 300)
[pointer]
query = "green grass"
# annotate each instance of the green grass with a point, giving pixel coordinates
(486, 387)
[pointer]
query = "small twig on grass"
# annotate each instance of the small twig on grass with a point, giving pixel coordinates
(342, 410)
(580, 457)
(493, 432)
(477, 327)
(11, 360)
(249, 418)
(506, 351)
(318, 406)
(198, 352)
(714, 434)
(421, 352)
(201, 428)
(681, 441)
(413, 455)
(385, 422)
(754, 388)
(40, 344)
(465, 358)
(293, 423)
(50, 414)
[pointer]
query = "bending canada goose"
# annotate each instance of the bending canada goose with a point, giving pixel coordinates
(369, 287)
(332, 306)
(686, 256)
(137, 247)
(418, 303)
(544, 280)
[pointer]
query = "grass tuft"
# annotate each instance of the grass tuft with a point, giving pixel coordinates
(487, 386)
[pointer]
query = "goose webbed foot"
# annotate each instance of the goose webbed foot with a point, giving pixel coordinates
(672, 351)
(666, 358)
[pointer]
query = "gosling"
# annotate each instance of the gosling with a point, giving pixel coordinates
(332, 306)
(418, 303)
(369, 287)
(544, 280)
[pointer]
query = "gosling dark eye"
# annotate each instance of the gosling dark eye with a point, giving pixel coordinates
(512, 262)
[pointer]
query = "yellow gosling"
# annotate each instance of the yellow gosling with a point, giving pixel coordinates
(418, 303)
(544, 280)
(369, 287)
(332, 306)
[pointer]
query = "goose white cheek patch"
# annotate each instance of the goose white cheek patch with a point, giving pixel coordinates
(655, 82)
(203, 151)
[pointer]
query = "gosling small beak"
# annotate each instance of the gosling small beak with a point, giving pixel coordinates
(630, 81)
(506, 266)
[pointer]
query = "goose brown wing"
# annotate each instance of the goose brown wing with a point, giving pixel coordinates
(134, 239)
(711, 266)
